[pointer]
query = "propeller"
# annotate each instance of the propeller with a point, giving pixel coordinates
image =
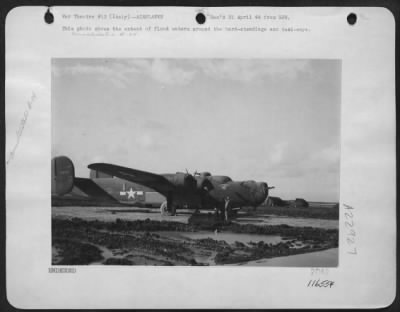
(195, 173)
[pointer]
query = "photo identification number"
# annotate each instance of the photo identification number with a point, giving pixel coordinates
(349, 225)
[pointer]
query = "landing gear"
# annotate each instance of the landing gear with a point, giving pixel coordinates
(224, 212)
(168, 207)
(173, 210)
(164, 208)
(227, 209)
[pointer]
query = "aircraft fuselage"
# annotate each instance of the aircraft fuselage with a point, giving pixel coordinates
(176, 190)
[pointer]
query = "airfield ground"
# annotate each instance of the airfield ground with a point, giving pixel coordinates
(136, 236)
(300, 212)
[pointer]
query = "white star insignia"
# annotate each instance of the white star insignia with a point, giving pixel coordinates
(131, 194)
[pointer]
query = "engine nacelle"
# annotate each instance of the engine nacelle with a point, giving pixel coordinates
(203, 183)
(220, 179)
(183, 180)
(62, 175)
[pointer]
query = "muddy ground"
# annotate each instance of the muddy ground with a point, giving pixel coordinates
(76, 241)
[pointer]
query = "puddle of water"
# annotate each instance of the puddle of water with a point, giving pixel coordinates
(301, 222)
(325, 258)
(231, 238)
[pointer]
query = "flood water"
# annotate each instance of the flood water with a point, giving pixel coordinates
(231, 238)
(325, 258)
(277, 220)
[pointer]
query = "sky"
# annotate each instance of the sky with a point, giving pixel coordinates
(271, 120)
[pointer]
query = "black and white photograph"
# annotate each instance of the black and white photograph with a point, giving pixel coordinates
(200, 157)
(161, 161)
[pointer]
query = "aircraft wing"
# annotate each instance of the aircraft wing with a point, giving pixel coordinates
(155, 181)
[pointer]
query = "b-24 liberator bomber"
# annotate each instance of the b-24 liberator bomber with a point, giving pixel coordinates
(173, 191)
(197, 191)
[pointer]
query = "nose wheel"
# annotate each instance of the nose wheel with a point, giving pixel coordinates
(223, 212)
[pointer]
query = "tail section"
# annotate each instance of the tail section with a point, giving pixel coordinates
(62, 175)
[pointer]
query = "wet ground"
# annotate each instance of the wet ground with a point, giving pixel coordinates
(325, 258)
(98, 236)
(265, 219)
(231, 238)
(256, 218)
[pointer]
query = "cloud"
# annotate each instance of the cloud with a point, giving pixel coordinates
(154, 125)
(289, 160)
(118, 72)
(163, 72)
(179, 72)
(110, 73)
(278, 153)
(251, 70)
(327, 156)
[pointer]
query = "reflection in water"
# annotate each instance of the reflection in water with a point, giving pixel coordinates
(231, 238)
(277, 220)
(325, 258)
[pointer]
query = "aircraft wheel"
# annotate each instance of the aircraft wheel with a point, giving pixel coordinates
(173, 210)
(163, 208)
(233, 213)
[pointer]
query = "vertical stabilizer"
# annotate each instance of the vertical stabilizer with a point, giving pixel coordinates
(62, 175)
